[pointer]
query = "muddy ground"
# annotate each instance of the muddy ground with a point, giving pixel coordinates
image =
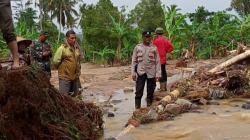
(106, 80)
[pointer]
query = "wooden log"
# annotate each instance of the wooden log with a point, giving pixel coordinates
(164, 101)
(125, 131)
(230, 62)
(168, 99)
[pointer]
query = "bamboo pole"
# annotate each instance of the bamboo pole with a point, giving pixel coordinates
(231, 61)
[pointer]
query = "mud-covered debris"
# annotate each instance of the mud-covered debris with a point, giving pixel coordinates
(217, 93)
(181, 63)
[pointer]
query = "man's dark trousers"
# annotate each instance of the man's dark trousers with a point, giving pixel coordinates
(163, 73)
(140, 83)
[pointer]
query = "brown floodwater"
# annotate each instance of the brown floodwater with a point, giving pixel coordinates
(227, 121)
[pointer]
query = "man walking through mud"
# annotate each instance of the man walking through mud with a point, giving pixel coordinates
(67, 61)
(7, 28)
(164, 46)
(42, 53)
(145, 67)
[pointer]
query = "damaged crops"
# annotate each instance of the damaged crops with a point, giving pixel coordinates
(31, 108)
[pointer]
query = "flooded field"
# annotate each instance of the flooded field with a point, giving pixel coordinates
(225, 120)
(215, 122)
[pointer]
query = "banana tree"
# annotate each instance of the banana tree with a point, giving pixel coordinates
(105, 55)
(119, 29)
(174, 22)
(219, 33)
(193, 33)
(175, 27)
(244, 30)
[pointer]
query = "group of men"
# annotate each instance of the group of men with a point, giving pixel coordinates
(148, 60)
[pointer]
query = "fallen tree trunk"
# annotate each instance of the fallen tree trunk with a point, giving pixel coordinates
(168, 99)
(231, 62)
(135, 122)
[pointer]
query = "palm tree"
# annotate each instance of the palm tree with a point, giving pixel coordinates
(242, 7)
(64, 12)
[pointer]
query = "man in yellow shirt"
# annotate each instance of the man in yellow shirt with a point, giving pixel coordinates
(67, 61)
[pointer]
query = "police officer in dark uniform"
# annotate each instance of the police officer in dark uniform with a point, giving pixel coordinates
(42, 53)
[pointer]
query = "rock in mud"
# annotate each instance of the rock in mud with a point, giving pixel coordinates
(116, 101)
(111, 138)
(213, 103)
(202, 101)
(183, 102)
(173, 109)
(111, 114)
(246, 106)
(214, 113)
(108, 105)
(128, 89)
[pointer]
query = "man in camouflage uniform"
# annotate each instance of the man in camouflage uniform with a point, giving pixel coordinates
(145, 67)
(7, 28)
(41, 53)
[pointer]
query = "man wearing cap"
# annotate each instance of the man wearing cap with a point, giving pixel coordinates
(164, 46)
(42, 53)
(67, 61)
(145, 67)
(7, 28)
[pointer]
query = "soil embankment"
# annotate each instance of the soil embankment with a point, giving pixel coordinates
(31, 108)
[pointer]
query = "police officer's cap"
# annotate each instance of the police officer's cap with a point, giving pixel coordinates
(146, 33)
(159, 30)
(44, 33)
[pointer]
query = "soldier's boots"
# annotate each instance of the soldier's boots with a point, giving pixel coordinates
(163, 86)
(137, 104)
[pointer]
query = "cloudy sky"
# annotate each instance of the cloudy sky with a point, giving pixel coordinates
(185, 5)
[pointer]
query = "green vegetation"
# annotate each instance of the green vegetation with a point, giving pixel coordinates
(110, 34)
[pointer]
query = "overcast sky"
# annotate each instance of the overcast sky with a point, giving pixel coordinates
(184, 5)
